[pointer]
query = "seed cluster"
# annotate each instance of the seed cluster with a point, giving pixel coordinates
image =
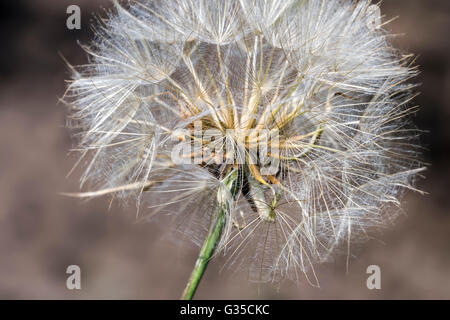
(220, 79)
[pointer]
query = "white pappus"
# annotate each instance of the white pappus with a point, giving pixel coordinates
(320, 73)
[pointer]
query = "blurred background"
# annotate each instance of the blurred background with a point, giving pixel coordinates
(41, 232)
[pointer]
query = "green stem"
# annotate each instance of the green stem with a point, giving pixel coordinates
(205, 255)
(231, 183)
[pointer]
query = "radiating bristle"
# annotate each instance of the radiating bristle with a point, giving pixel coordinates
(304, 101)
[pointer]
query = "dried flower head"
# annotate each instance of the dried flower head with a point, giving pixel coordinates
(287, 120)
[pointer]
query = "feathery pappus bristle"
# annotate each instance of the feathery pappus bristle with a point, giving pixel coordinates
(294, 116)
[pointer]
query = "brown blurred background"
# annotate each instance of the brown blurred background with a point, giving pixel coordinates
(41, 233)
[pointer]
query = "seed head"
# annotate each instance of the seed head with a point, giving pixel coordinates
(291, 114)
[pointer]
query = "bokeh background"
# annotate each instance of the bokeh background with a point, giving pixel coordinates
(41, 232)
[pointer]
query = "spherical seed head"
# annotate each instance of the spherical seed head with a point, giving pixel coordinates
(304, 102)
